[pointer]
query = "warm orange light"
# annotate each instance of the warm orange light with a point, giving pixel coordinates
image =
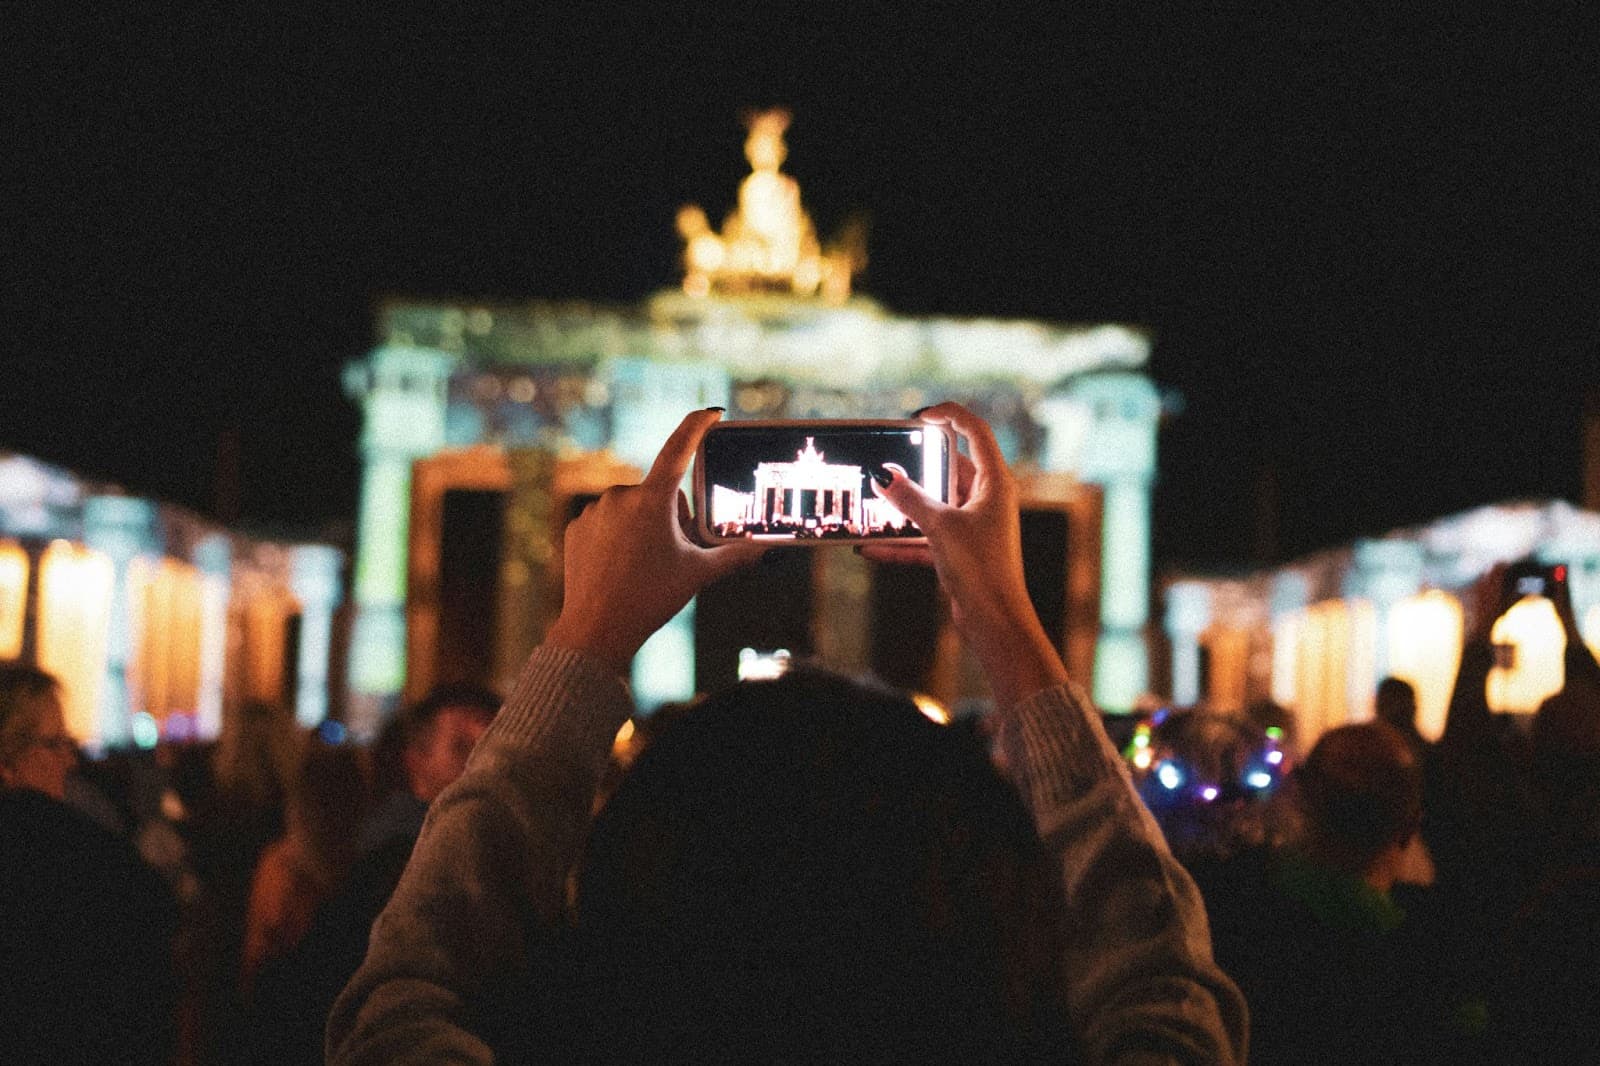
(768, 243)
(1591, 629)
(1336, 643)
(1425, 634)
(931, 708)
(165, 603)
(13, 597)
(74, 618)
(266, 640)
(1533, 631)
(1228, 676)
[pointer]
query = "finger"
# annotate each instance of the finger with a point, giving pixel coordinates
(986, 452)
(672, 462)
(686, 520)
(900, 554)
(908, 497)
(966, 474)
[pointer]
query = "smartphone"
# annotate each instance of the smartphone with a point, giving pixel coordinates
(1530, 578)
(809, 483)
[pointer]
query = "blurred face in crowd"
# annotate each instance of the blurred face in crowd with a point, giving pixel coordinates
(47, 756)
(439, 755)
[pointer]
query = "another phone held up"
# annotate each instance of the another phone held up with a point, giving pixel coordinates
(809, 483)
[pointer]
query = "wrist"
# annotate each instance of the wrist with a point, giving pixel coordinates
(609, 649)
(1017, 659)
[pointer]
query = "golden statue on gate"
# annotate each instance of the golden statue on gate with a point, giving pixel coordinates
(768, 243)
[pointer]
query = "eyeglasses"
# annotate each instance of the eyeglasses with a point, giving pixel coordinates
(60, 743)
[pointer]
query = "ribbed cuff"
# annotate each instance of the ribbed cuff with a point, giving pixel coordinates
(565, 702)
(1055, 746)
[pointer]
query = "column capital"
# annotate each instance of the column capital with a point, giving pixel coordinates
(1188, 607)
(403, 393)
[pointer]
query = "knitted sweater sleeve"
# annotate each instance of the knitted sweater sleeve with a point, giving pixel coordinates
(495, 848)
(1139, 980)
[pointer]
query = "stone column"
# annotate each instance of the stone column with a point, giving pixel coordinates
(124, 529)
(213, 557)
(1290, 594)
(314, 579)
(1188, 614)
(1102, 427)
(1384, 573)
(403, 394)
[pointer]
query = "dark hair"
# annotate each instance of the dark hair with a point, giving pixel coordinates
(20, 686)
(412, 724)
(1396, 703)
(420, 718)
(811, 865)
(1361, 790)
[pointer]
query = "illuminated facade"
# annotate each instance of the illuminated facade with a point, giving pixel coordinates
(565, 381)
(157, 622)
(1318, 635)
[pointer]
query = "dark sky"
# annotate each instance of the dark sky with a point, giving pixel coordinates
(1368, 240)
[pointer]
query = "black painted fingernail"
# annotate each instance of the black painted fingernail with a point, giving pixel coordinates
(716, 409)
(882, 477)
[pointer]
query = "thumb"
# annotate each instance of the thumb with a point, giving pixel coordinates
(908, 497)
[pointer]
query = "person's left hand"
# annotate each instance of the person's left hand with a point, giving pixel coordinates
(630, 560)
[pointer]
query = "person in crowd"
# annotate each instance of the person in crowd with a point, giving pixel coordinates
(1210, 784)
(426, 747)
(86, 929)
(1395, 704)
(1545, 1007)
(435, 737)
(304, 867)
(854, 887)
(238, 808)
(1478, 809)
(1337, 958)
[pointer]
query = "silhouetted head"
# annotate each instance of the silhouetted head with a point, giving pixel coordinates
(1360, 790)
(812, 867)
(327, 803)
(1211, 777)
(1396, 704)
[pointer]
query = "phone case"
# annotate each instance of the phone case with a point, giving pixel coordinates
(807, 500)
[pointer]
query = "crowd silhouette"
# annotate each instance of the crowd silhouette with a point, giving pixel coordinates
(808, 869)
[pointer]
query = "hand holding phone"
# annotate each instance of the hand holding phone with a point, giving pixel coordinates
(974, 541)
(629, 561)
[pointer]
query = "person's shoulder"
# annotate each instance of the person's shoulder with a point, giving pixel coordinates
(55, 849)
(31, 819)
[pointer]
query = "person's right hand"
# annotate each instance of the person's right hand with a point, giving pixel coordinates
(630, 561)
(975, 545)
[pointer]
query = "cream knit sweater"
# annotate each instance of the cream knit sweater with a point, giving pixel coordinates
(1139, 982)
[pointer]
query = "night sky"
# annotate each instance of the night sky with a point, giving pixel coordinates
(1367, 240)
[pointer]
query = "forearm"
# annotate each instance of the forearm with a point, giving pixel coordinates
(1139, 980)
(497, 844)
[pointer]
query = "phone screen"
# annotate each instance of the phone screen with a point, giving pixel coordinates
(810, 481)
